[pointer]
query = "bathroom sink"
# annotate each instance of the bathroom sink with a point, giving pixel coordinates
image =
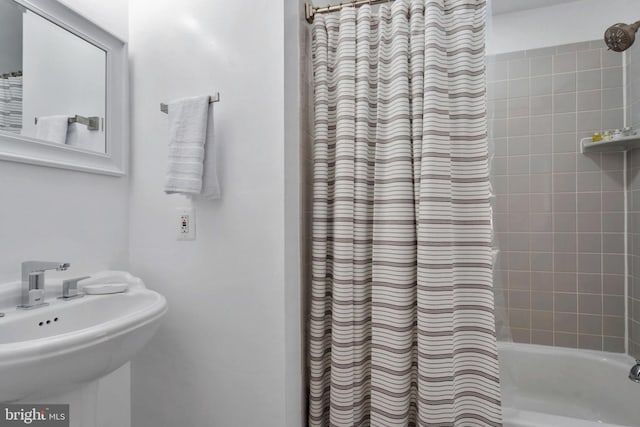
(60, 347)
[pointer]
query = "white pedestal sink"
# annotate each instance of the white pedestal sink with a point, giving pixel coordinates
(62, 347)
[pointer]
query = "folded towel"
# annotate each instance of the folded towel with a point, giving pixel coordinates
(78, 135)
(191, 167)
(52, 128)
(210, 186)
(187, 134)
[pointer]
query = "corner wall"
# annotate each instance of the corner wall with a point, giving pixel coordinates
(566, 290)
(559, 214)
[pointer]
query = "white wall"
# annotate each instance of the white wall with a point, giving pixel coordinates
(92, 404)
(556, 25)
(222, 356)
(10, 37)
(112, 15)
(63, 75)
(57, 214)
(306, 177)
(294, 31)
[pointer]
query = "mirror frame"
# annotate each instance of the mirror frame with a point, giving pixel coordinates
(114, 161)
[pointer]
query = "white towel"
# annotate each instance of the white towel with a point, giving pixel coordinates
(191, 167)
(78, 135)
(52, 128)
(210, 186)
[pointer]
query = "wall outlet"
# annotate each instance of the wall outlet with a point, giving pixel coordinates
(186, 222)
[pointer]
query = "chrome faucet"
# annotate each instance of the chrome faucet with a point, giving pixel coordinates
(33, 282)
(70, 288)
(634, 374)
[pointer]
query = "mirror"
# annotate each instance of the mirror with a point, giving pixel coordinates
(62, 89)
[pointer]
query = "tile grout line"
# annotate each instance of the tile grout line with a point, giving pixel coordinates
(529, 62)
(553, 221)
(626, 208)
(576, 207)
(601, 201)
(602, 210)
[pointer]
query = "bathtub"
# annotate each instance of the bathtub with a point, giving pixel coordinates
(561, 387)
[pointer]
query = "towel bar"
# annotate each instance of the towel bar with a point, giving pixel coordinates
(214, 98)
(92, 123)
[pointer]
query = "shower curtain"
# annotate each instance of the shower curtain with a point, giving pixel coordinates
(402, 324)
(11, 103)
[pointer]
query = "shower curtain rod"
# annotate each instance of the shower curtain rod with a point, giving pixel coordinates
(7, 75)
(311, 11)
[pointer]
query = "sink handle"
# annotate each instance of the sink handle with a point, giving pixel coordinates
(70, 288)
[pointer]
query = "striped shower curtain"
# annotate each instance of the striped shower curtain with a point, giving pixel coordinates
(402, 316)
(11, 103)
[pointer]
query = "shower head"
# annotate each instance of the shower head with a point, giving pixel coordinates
(620, 37)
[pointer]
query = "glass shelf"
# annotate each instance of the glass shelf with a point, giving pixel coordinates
(621, 144)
